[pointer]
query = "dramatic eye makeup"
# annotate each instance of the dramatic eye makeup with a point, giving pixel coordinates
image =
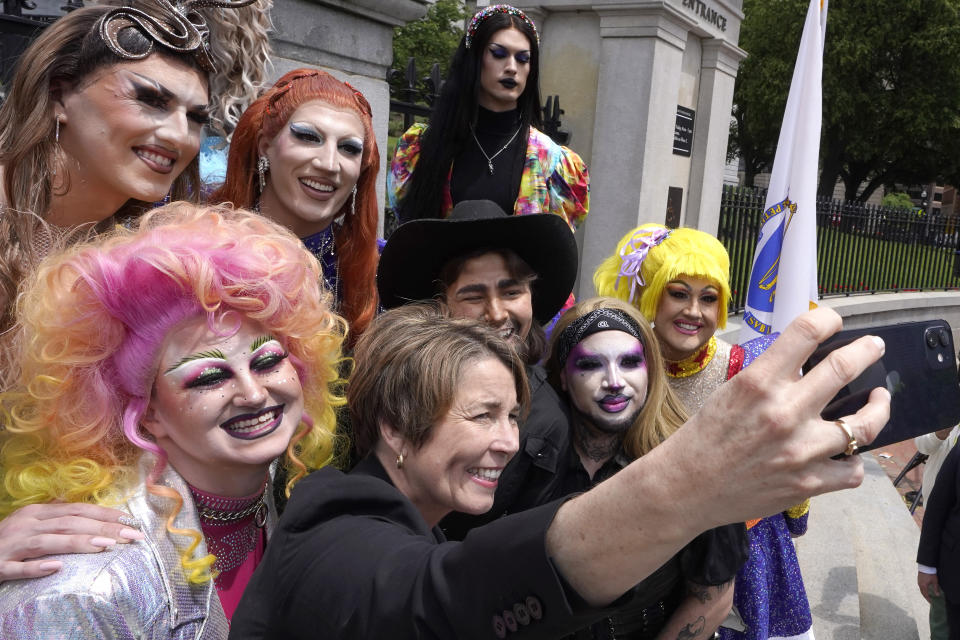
(210, 368)
(352, 146)
(267, 353)
(206, 376)
(500, 52)
(153, 94)
(587, 363)
(634, 359)
(305, 133)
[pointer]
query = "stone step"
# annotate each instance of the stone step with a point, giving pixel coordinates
(858, 563)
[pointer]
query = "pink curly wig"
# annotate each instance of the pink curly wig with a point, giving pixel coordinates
(94, 320)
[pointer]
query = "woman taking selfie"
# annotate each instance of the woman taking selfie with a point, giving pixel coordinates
(434, 404)
(165, 370)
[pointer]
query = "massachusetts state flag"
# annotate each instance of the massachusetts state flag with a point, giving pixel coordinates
(783, 281)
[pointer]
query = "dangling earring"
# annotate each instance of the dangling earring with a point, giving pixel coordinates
(56, 141)
(263, 165)
(400, 461)
(353, 202)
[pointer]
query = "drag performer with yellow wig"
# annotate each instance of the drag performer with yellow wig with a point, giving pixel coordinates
(679, 280)
(164, 371)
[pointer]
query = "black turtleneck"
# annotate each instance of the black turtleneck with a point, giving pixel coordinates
(472, 180)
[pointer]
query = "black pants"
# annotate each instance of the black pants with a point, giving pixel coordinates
(953, 618)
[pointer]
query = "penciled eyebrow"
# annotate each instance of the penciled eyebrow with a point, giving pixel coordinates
(167, 93)
(215, 354)
(506, 48)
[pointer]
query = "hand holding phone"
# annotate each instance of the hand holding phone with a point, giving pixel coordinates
(919, 370)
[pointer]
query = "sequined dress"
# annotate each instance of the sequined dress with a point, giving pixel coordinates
(769, 591)
(130, 591)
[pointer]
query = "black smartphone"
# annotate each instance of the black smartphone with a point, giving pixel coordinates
(919, 370)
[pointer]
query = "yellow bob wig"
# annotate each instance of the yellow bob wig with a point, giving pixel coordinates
(684, 252)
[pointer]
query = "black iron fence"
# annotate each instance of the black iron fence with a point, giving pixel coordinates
(860, 248)
(18, 29)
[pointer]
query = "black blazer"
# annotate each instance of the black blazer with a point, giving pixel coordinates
(352, 558)
(940, 534)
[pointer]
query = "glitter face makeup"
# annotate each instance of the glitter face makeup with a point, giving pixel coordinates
(605, 377)
(224, 405)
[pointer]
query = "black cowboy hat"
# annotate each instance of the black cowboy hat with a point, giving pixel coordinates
(416, 252)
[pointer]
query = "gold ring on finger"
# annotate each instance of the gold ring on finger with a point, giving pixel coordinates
(852, 445)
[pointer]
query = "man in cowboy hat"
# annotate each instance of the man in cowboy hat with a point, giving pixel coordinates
(515, 273)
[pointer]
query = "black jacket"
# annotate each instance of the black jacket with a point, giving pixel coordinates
(352, 558)
(532, 477)
(940, 534)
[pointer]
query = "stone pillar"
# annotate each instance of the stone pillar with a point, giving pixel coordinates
(718, 71)
(641, 55)
(352, 40)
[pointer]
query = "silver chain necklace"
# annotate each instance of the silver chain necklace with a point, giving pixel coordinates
(502, 149)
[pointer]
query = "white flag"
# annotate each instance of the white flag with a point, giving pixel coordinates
(783, 281)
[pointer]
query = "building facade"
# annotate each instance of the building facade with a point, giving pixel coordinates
(647, 89)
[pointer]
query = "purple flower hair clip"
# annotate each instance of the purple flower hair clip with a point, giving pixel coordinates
(486, 12)
(634, 253)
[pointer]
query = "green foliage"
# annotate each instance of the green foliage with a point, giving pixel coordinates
(431, 39)
(897, 200)
(891, 89)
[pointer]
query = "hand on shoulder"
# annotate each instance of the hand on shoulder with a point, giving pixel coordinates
(30, 533)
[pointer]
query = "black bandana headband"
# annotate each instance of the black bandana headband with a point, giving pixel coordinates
(178, 27)
(594, 322)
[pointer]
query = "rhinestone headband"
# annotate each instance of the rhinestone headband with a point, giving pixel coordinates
(178, 27)
(504, 9)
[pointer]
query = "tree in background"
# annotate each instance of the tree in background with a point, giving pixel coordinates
(898, 200)
(432, 39)
(891, 90)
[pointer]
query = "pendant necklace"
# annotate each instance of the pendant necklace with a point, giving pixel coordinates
(502, 149)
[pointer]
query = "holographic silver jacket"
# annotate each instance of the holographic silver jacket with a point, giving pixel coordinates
(136, 590)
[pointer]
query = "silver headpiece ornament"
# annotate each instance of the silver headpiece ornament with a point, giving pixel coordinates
(177, 26)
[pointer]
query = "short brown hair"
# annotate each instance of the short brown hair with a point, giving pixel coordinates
(535, 344)
(408, 366)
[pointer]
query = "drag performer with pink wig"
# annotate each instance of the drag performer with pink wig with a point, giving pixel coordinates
(164, 370)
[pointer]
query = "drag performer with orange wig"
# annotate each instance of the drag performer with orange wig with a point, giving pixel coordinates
(304, 154)
(679, 280)
(164, 371)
